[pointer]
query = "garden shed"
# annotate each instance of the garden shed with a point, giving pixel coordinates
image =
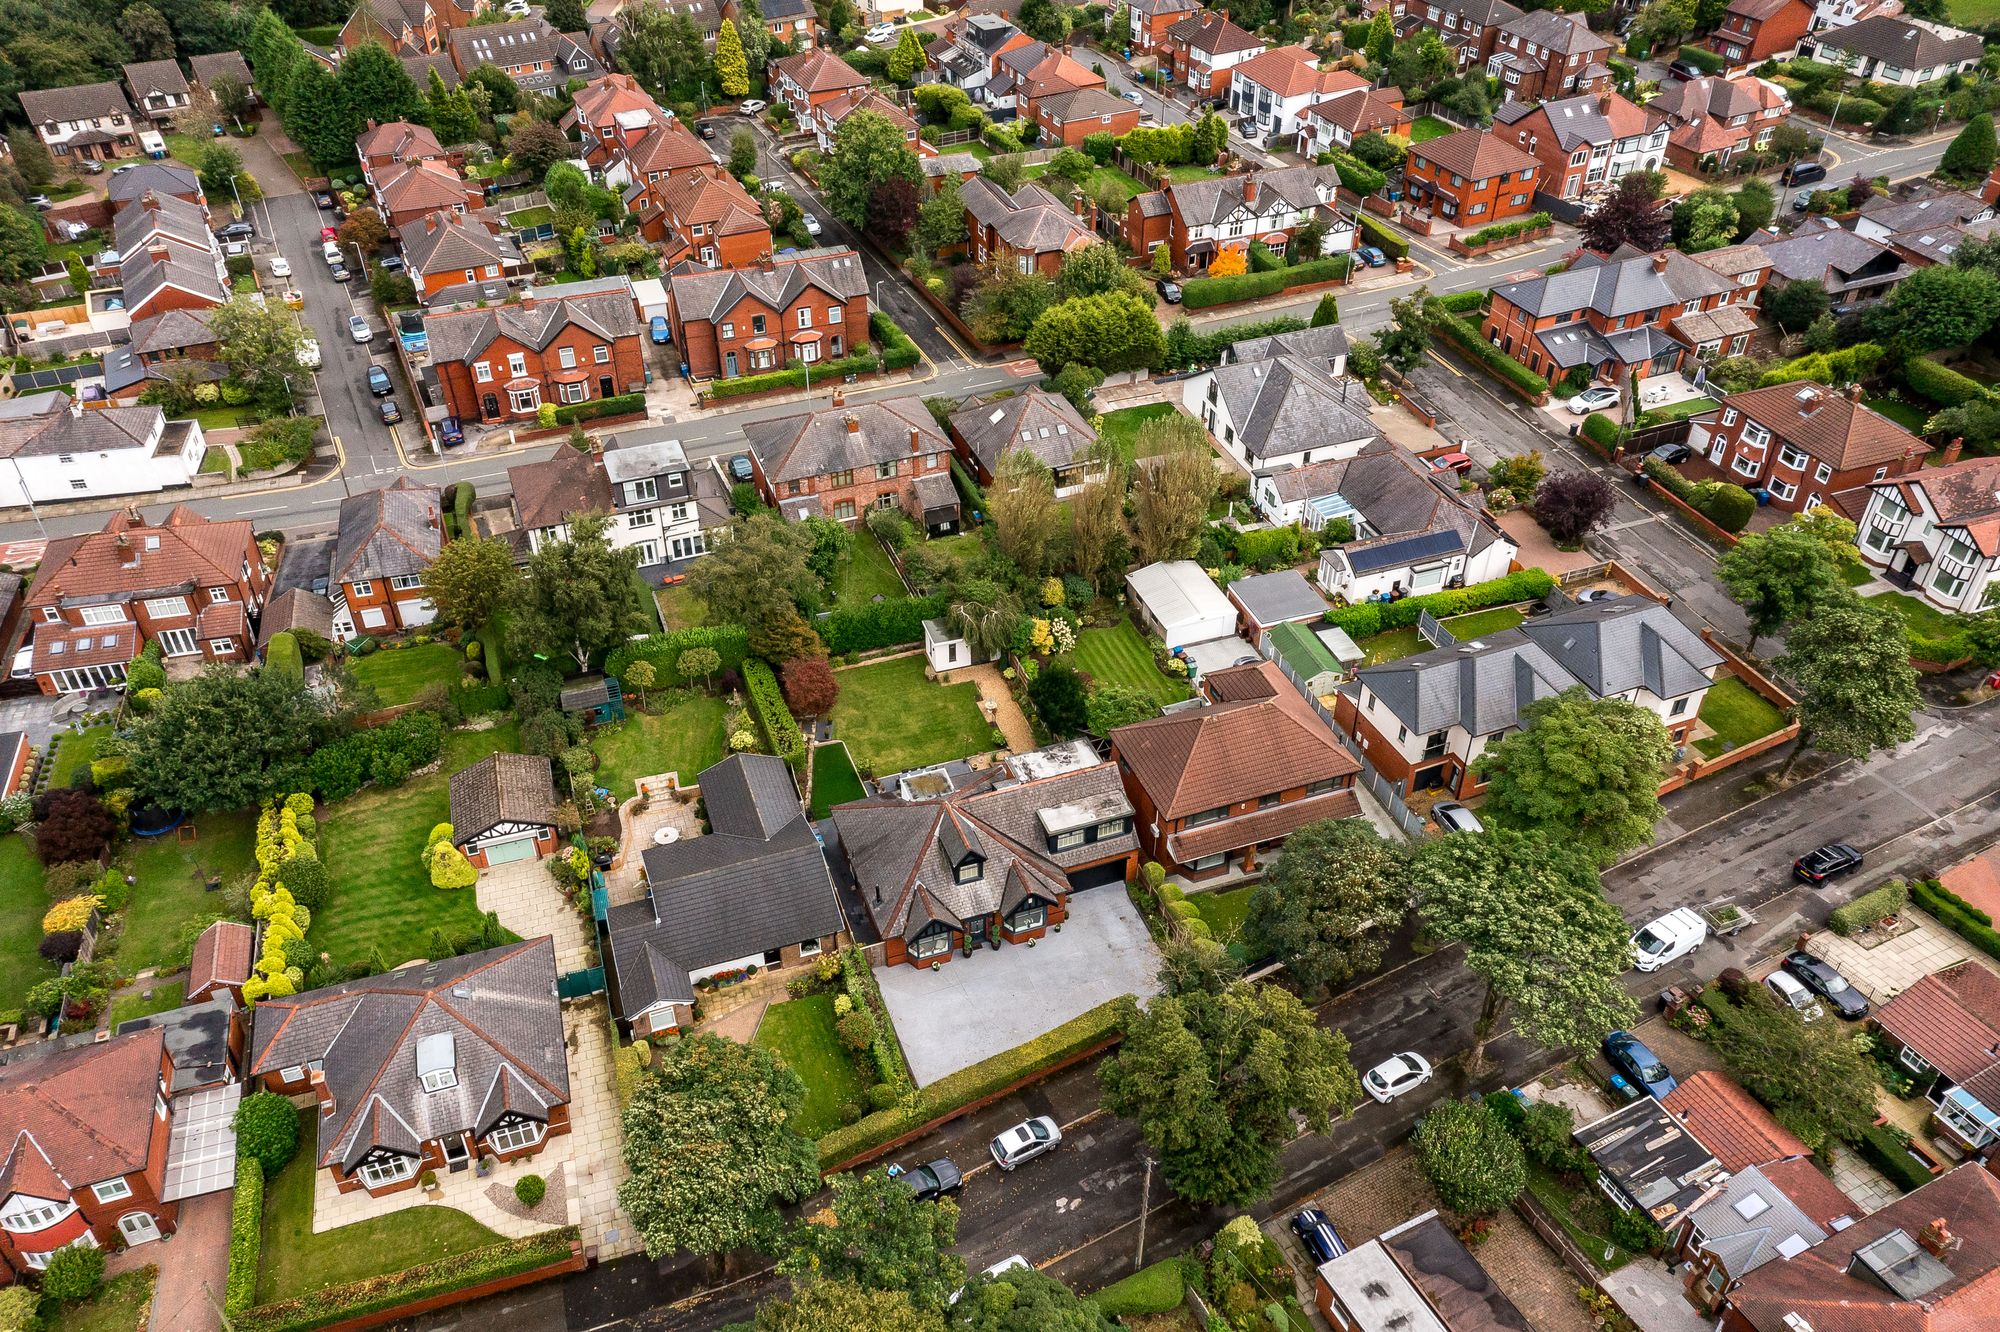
(503, 809)
(1181, 604)
(595, 698)
(945, 649)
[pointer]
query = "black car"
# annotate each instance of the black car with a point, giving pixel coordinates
(937, 1180)
(1672, 453)
(391, 413)
(707, 129)
(323, 198)
(378, 382)
(1170, 291)
(237, 231)
(1318, 1236)
(1802, 173)
(1828, 984)
(1829, 862)
(1684, 70)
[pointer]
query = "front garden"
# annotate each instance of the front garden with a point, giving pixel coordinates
(804, 1033)
(1737, 714)
(894, 719)
(1407, 642)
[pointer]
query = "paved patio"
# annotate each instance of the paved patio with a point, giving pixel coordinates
(525, 897)
(624, 881)
(1651, 1296)
(1892, 966)
(975, 1007)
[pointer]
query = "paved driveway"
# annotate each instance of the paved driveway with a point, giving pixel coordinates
(975, 1007)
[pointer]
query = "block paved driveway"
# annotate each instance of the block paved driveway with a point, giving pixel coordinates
(975, 1007)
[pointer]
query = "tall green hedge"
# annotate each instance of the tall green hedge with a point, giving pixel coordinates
(1868, 908)
(1372, 617)
(246, 1236)
(336, 1304)
(824, 372)
(1703, 59)
(858, 979)
(730, 641)
(1940, 383)
(1957, 915)
(1465, 336)
(879, 624)
(1886, 1147)
(1600, 431)
(623, 405)
(898, 351)
(1201, 292)
(767, 705)
(1356, 174)
(1377, 234)
(1464, 302)
(282, 655)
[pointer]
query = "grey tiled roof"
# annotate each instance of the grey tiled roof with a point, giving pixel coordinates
(82, 101)
(155, 76)
(604, 308)
(454, 243)
(707, 293)
(499, 1011)
(164, 177)
(1032, 220)
(1289, 404)
(1042, 423)
(1323, 343)
(1274, 598)
(1553, 30)
(1621, 644)
(1613, 289)
(1907, 43)
(174, 217)
(1813, 254)
(750, 795)
(1082, 104)
(388, 532)
(501, 788)
(813, 443)
(96, 431)
(950, 164)
(218, 65)
(1751, 1221)
(1944, 207)
(143, 276)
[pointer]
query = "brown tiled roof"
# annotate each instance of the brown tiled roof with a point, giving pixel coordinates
(60, 645)
(220, 619)
(222, 956)
(1964, 494)
(602, 99)
(82, 1115)
(400, 140)
(820, 71)
(501, 788)
(567, 482)
(1286, 72)
(1729, 1123)
(191, 548)
(704, 199)
(1829, 425)
(1197, 760)
(1475, 154)
(1951, 1018)
(668, 146)
(1811, 1192)
(420, 184)
(1263, 826)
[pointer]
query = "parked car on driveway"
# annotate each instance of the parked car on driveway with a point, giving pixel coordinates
(1593, 400)
(1025, 1141)
(1396, 1075)
(450, 433)
(1170, 291)
(281, 266)
(323, 198)
(753, 106)
(1684, 70)
(1317, 1235)
(657, 329)
(811, 224)
(1828, 862)
(1785, 987)
(24, 664)
(881, 32)
(378, 381)
(1454, 817)
(1641, 1067)
(357, 328)
(1823, 980)
(935, 1180)
(237, 231)
(1460, 463)
(1372, 256)
(1671, 454)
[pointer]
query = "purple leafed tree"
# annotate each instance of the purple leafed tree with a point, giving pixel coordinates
(1569, 505)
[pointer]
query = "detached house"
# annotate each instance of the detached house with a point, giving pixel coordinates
(1200, 219)
(528, 51)
(1804, 443)
(190, 583)
(1854, 270)
(1226, 784)
(208, 69)
(1905, 52)
(386, 539)
(993, 861)
(1282, 406)
(1413, 531)
(1202, 48)
(1152, 20)
(1885, 217)
(1547, 54)
(1754, 31)
(1068, 118)
(1936, 531)
(577, 342)
(968, 53)
(710, 220)
(798, 310)
(813, 76)
(1349, 113)
(1610, 316)
(406, 27)
(158, 88)
(1471, 178)
(753, 892)
(1029, 230)
(1024, 75)
(427, 1067)
(1470, 28)
(1271, 91)
(1713, 121)
(1037, 421)
(1586, 144)
(73, 452)
(841, 462)
(790, 21)
(89, 122)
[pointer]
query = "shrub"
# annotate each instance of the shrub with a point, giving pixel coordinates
(879, 624)
(1199, 293)
(767, 705)
(267, 1130)
(530, 1190)
(1388, 242)
(333, 1304)
(1499, 364)
(74, 1273)
(1957, 915)
(898, 351)
(1887, 1148)
(246, 1236)
(1500, 231)
(1373, 617)
(385, 755)
(860, 363)
(61, 946)
(857, 1029)
(72, 913)
(1708, 62)
(730, 642)
(71, 825)
(307, 878)
(623, 405)
(17, 1309)
(1727, 505)
(281, 654)
(1636, 1232)
(1868, 908)
(1155, 1289)
(1268, 547)
(1940, 383)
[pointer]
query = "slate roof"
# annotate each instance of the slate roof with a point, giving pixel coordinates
(1730, 1122)
(1213, 34)
(502, 788)
(1480, 13)
(1452, 1281)
(951, 164)
(519, 42)
(1289, 404)
(1829, 425)
(567, 482)
(219, 65)
(1324, 343)
(1714, 98)
(604, 308)
(1042, 423)
(1196, 760)
(1908, 43)
(813, 443)
(1751, 1221)
(81, 101)
(295, 608)
(1611, 288)
(498, 1010)
(162, 214)
(1552, 30)
(819, 70)
(78, 1116)
(1031, 220)
(1274, 598)
(1592, 119)
(444, 242)
(388, 532)
(758, 881)
(420, 66)
(155, 76)
(1941, 207)
(165, 178)
(191, 551)
(1082, 104)
(704, 295)
(1831, 251)
(98, 430)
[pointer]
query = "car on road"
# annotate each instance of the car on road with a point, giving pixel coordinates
(1823, 980)
(328, 236)
(1396, 1075)
(1372, 256)
(1671, 937)
(280, 266)
(323, 199)
(1593, 400)
(1684, 70)
(357, 328)
(378, 379)
(309, 356)
(1025, 1141)
(1317, 1235)
(1460, 463)
(1802, 173)
(881, 32)
(1641, 1067)
(1801, 201)
(1170, 290)
(42, 201)
(938, 1179)
(753, 106)
(24, 663)
(811, 224)
(1133, 97)
(516, 8)
(1454, 817)
(450, 433)
(1827, 862)
(237, 231)
(339, 272)
(391, 413)
(1788, 991)
(660, 333)
(1671, 454)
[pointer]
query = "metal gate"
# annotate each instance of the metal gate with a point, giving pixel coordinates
(576, 984)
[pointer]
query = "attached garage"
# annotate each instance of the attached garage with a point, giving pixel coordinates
(1097, 876)
(503, 809)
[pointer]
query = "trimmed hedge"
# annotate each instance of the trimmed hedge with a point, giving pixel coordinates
(1940, 383)
(1500, 231)
(1601, 432)
(879, 624)
(1864, 910)
(1372, 617)
(767, 705)
(967, 1085)
(898, 352)
(1848, 365)
(1464, 302)
(1383, 239)
(1703, 59)
(861, 363)
(969, 493)
(1356, 174)
(1727, 505)
(857, 978)
(358, 1299)
(730, 641)
(246, 1236)
(1201, 292)
(623, 405)
(1491, 359)
(1884, 1146)
(1959, 916)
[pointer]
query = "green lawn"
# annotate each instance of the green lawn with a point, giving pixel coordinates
(1408, 642)
(1120, 429)
(1675, 411)
(1224, 911)
(1158, 1288)
(1180, 174)
(1094, 184)
(297, 1262)
(865, 573)
(1738, 714)
(165, 995)
(1911, 418)
(685, 739)
(1120, 656)
(115, 1307)
(370, 843)
(679, 607)
(1854, 573)
(1920, 616)
(73, 750)
(1425, 128)
(22, 903)
(172, 881)
(801, 1032)
(399, 674)
(1973, 14)
(834, 779)
(893, 719)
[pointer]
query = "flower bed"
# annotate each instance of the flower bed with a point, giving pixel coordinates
(1532, 227)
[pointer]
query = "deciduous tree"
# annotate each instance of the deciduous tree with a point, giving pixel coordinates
(1943, 306)
(364, 227)
(226, 740)
(581, 597)
(1857, 692)
(1096, 269)
(1097, 534)
(1705, 220)
(1057, 693)
(1779, 576)
(892, 209)
(1472, 1159)
(1796, 305)
(756, 37)
(1336, 893)
(875, 1233)
(1023, 1300)
(1421, 63)
(1175, 486)
(1022, 504)
(868, 150)
(23, 245)
(940, 221)
(1809, 1069)
(260, 344)
(1581, 769)
(759, 575)
(537, 145)
(1629, 215)
(743, 154)
(1114, 331)
(470, 580)
(1113, 705)
(566, 15)
(841, 1306)
(1403, 343)
(810, 688)
(1571, 505)
(145, 30)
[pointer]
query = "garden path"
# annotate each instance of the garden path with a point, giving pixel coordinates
(1007, 714)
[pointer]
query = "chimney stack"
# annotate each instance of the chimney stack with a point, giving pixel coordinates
(597, 446)
(1660, 262)
(1936, 1239)
(528, 298)
(916, 441)
(1951, 451)
(839, 398)
(1250, 188)
(853, 424)
(128, 554)
(1854, 393)
(1604, 104)
(133, 518)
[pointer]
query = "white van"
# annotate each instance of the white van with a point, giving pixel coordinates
(1668, 939)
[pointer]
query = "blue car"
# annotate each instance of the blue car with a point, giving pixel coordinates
(1317, 1235)
(661, 334)
(1641, 1067)
(1373, 257)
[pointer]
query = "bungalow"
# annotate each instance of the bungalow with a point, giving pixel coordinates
(754, 892)
(1905, 52)
(503, 809)
(423, 1068)
(385, 539)
(1936, 531)
(1042, 423)
(72, 452)
(1854, 270)
(839, 463)
(993, 861)
(1943, 1032)
(1412, 531)
(1754, 31)
(1228, 783)
(1804, 443)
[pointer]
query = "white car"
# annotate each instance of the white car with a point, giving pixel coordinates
(281, 266)
(1671, 937)
(1593, 400)
(753, 106)
(812, 225)
(516, 8)
(1793, 995)
(1396, 1075)
(24, 662)
(357, 328)
(776, 186)
(1454, 817)
(1025, 1141)
(309, 356)
(881, 32)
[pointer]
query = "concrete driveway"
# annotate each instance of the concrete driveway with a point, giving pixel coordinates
(975, 1007)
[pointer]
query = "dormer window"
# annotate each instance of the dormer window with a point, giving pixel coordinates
(437, 1061)
(971, 870)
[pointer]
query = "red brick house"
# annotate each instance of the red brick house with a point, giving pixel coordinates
(792, 310)
(447, 250)
(1202, 48)
(578, 342)
(1029, 230)
(406, 27)
(1632, 313)
(701, 219)
(425, 1068)
(1068, 118)
(1469, 27)
(1804, 443)
(1471, 178)
(993, 861)
(604, 111)
(1586, 144)
(840, 463)
(1200, 219)
(1546, 54)
(386, 539)
(1150, 21)
(408, 191)
(791, 21)
(224, 959)
(397, 141)
(189, 583)
(1713, 121)
(828, 116)
(1226, 784)
(1754, 31)
(503, 809)
(805, 80)
(84, 1160)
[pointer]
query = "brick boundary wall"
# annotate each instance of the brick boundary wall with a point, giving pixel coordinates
(576, 1262)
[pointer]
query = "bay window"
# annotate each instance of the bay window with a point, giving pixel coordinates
(513, 1137)
(387, 1170)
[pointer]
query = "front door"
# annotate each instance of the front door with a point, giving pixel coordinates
(455, 1154)
(489, 406)
(605, 387)
(975, 932)
(138, 1228)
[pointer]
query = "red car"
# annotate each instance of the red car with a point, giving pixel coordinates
(328, 234)
(1450, 462)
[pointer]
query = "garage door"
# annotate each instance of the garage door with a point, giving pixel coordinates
(1097, 876)
(511, 850)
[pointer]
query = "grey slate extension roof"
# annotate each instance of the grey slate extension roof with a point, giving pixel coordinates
(101, 430)
(293, 609)
(707, 293)
(220, 65)
(1829, 252)
(1082, 104)
(163, 177)
(502, 788)
(387, 533)
(1942, 207)
(1480, 13)
(1908, 43)
(82, 101)
(1289, 404)
(1042, 423)
(1612, 288)
(496, 1012)
(861, 434)
(1689, 281)
(604, 308)
(758, 881)
(1323, 343)
(951, 164)
(1211, 201)
(1607, 647)
(1275, 598)
(1751, 1221)
(1031, 220)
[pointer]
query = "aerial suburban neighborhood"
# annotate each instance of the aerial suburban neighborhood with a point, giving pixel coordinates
(1000, 666)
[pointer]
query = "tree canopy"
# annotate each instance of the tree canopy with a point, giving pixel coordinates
(1583, 770)
(227, 739)
(1629, 215)
(842, 1306)
(868, 151)
(1024, 1300)
(875, 1233)
(1326, 906)
(581, 597)
(470, 580)
(1779, 575)
(1857, 692)
(758, 576)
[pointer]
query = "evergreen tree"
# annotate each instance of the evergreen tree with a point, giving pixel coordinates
(730, 67)
(374, 85)
(1381, 37)
(566, 15)
(1971, 154)
(907, 58)
(317, 118)
(450, 111)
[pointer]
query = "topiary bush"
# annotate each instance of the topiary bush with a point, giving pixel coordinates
(17, 1309)
(267, 1130)
(531, 1189)
(74, 1273)
(1868, 908)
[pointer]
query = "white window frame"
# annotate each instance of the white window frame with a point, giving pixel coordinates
(517, 364)
(166, 608)
(363, 588)
(482, 371)
(111, 1190)
(381, 1174)
(99, 615)
(514, 1137)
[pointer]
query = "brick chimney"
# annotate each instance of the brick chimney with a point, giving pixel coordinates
(1660, 262)
(128, 554)
(853, 425)
(431, 223)
(1951, 451)
(528, 298)
(1604, 104)
(1936, 1239)
(597, 446)
(839, 398)
(157, 250)
(1250, 189)
(1854, 393)
(916, 441)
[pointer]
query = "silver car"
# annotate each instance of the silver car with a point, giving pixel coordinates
(1025, 1141)
(357, 328)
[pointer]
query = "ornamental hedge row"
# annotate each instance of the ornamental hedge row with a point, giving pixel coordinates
(1957, 915)
(898, 352)
(857, 978)
(730, 641)
(1940, 383)
(861, 363)
(623, 405)
(246, 1236)
(1601, 432)
(1372, 617)
(1356, 174)
(1464, 302)
(1708, 62)
(378, 1294)
(1500, 231)
(1727, 505)
(1886, 1147)
(1383, 239)
(1499, 364)
(971, 1084)
(879, 624)
(1868, 908)
(1201, 292)
(767, 705)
